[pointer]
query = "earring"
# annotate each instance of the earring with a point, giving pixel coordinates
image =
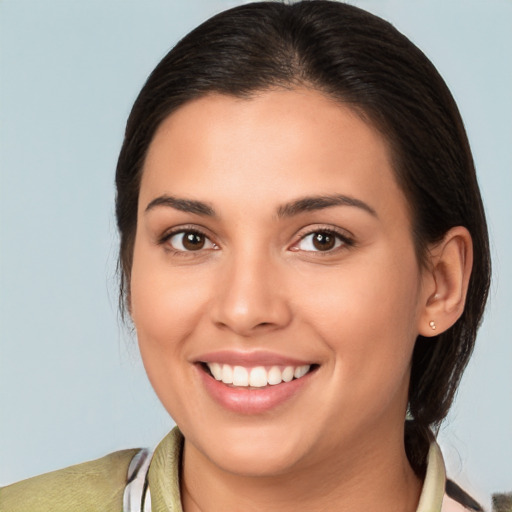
(432, 325)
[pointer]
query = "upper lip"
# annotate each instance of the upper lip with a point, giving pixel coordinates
(250, 359)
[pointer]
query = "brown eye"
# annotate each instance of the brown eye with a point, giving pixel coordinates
(188, 241)
(193, 241)
(321, 241)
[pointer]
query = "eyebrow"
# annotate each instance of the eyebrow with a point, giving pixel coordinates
(183, 205)
(305, 204)
(312, 203)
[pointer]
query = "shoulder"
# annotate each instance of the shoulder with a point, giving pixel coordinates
(96, 485)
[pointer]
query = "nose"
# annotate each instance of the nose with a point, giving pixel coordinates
(252, 298)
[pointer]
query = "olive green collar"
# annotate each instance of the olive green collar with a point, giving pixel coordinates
(164, 473)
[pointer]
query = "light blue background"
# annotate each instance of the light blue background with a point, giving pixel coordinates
(72, 387)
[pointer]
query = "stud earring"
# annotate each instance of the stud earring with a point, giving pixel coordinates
(432, 325)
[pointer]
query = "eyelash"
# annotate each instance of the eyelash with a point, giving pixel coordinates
(341, 237)
(183, 230)
(344, 240)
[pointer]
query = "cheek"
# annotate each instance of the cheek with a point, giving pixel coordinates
(165, 305)
(165, 310)
(378, 293)
(367, 315)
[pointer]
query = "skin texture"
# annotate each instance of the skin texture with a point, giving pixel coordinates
(259, 284)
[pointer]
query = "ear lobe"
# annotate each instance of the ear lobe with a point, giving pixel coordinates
(451, 261)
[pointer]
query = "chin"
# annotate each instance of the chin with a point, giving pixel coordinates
(252, 451)
(255, 460)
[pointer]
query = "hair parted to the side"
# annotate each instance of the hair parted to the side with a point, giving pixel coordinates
(363, 62)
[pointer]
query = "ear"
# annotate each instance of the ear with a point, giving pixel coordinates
(446, 282)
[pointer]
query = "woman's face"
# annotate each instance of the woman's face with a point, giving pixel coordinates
(273, 241)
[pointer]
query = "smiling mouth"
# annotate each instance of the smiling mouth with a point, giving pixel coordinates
(257, 376)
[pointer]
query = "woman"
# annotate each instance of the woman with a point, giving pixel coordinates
(299, 218)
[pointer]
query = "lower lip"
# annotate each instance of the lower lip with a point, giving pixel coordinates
(251, 400)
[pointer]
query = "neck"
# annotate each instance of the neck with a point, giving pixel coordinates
(373, 474)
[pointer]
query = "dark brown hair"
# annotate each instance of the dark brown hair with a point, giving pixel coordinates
(364, 62)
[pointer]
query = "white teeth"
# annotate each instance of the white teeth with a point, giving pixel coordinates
(274, 376)
(288, 374)
(216, 370)
(258, 376)
(227, 374)
(240, 376)
(300, 371)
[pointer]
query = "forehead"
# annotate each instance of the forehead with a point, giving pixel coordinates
(278, 144)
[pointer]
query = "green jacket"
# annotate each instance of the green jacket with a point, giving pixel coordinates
(93, 486)
(100, 485)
